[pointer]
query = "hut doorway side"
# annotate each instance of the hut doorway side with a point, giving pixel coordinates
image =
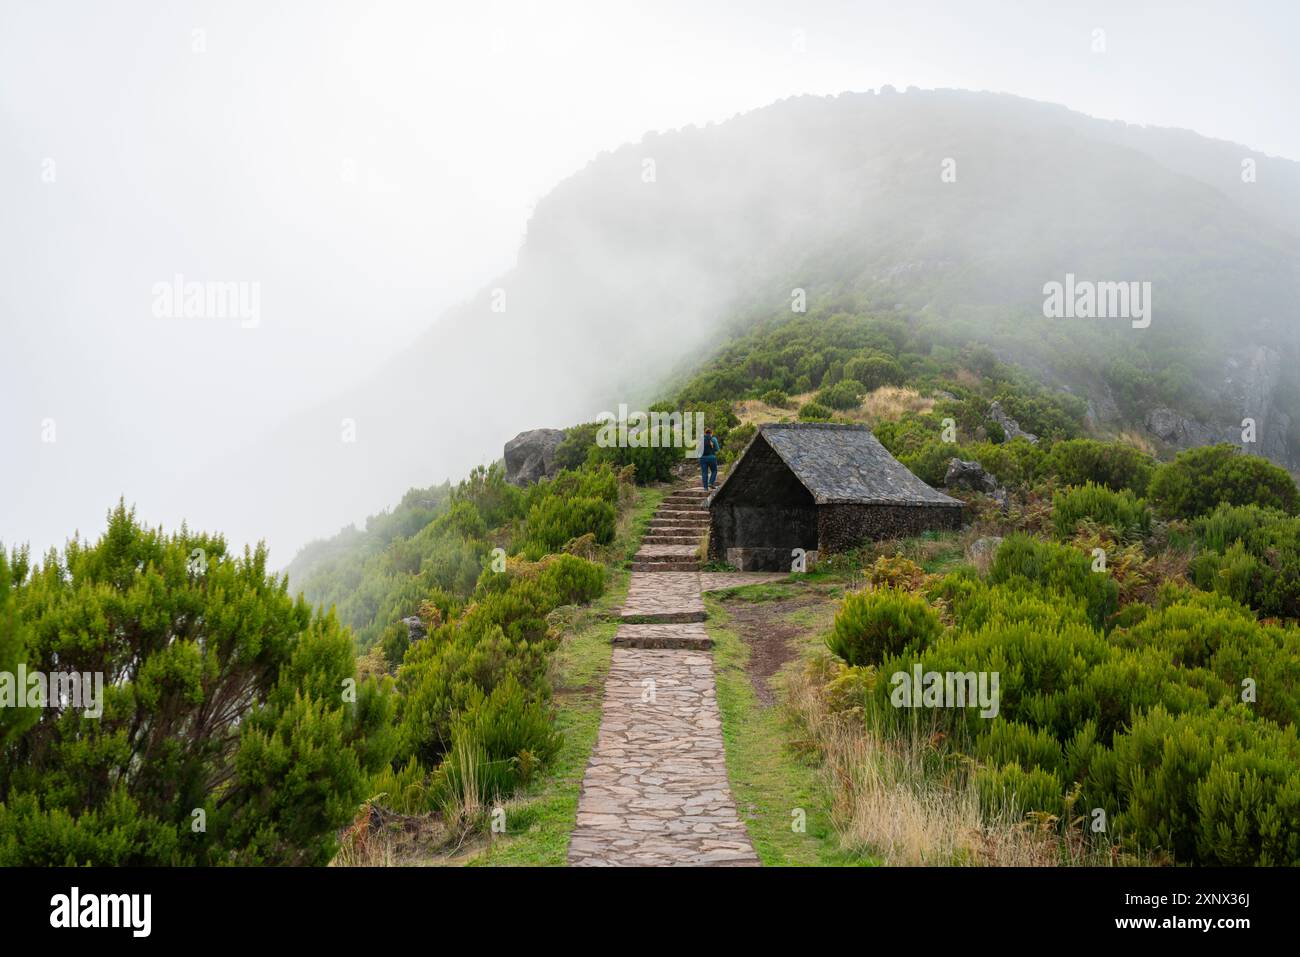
(762, 514)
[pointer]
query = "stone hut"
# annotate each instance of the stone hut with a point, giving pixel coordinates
(819, 487)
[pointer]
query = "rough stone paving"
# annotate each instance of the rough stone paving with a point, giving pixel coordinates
(655, 792)
(664, 597)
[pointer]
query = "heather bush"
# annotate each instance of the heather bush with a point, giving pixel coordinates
(873, 625)
(1126, 515)
(1200, 479)
(557, 520)
(1113, 464)
(845, 394)
(1252, 555)
(1058, 568)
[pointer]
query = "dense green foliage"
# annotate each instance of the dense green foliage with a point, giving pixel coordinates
(1122, 512)
(1198, 480)
(590, 443)
(1251, 554)
(239, 727)
(1058, 570)
(1112, 464)
(231, 729)
(1180, 727)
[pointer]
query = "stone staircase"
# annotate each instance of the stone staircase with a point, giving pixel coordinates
(675, 533)
(655, 791)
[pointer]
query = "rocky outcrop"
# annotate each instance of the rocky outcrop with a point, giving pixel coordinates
(530, 456)
(1009, 425)
(415, 629)
(969, 475)
(1177, 429)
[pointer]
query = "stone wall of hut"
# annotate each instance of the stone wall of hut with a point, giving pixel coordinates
(841, 528)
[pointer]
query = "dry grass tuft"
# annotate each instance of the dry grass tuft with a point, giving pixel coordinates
(889, 403)
(906, 801)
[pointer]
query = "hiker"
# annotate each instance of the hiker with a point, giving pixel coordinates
(709, 460)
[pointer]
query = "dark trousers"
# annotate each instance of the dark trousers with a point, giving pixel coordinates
(709, 470)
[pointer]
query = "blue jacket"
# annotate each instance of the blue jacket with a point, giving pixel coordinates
(709, 448)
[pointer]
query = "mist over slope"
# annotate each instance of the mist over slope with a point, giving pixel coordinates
(652, 254)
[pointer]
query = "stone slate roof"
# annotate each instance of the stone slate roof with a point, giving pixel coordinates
(841, 464)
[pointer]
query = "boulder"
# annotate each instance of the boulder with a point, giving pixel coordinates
(530, 456)
(981, 551)
(1009, 425)
(415, 629)
(969, 475)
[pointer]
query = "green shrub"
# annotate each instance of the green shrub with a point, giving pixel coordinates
(1057, 567)
(930, 462)
(1012, 790)
(845, 394)
(500, 740)
(1009, 742)
(1015, 463)
(1112, 464)
(874, 371)
(462, 520)
(1123, 512)
(1215, 788)
(557, 520)
(874, 625)
(776, 398)
(575, 448)
(445, 673)
(737, 439)
(1198, 480)
(1230, 524)
(814, 412)
(1251, 554)
(212, 677)
(571, 580)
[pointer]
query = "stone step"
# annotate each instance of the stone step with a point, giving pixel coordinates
(696, 533)
(688, 562)
(669, 565)
(666, 551)
(656, 539)
(658, 617)
(686, 635)
(680, 518)
(663, 598)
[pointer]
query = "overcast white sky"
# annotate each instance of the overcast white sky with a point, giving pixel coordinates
(370, 163)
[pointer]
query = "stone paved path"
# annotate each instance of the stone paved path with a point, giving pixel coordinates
(664, 597)
(655, 792)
